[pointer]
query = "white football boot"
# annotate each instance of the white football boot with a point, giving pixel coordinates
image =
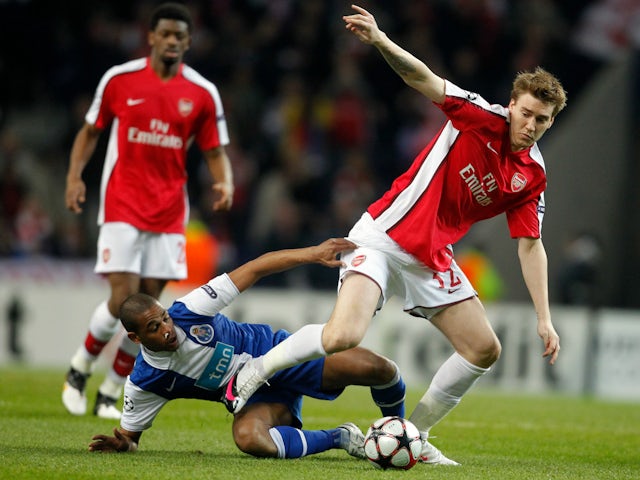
(432, 455)
(73, 392)
(240, 388)
(105, 407)
(352, 440)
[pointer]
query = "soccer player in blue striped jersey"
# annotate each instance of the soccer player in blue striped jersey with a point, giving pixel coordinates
(191, 350)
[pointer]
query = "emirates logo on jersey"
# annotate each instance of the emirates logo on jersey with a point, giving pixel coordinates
(185, 106)
(359, 260)
(106, 255)
(518, 182)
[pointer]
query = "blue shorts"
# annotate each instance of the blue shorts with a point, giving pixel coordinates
(289, 385)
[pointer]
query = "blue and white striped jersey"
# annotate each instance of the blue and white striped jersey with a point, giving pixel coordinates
(211, 349)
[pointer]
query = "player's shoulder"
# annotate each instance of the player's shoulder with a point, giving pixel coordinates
(535, 156)
(119, 71)
(196, 78)
(454, 94)
(130, 66)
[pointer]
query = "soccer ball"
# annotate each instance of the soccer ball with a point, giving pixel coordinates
(393, 442)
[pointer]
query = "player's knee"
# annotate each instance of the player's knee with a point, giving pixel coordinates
(389, 370)
(337, 340)
(489, 353)
(254, 441)
(382, 370)
(339, 344)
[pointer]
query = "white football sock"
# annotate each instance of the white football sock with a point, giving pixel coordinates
(303, 345)
(103, 325)
(112, 385)
(129, 346)
(452, 380)
(82, 361)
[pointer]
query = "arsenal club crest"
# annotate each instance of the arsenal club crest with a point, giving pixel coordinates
(518, 182)
(185, 106)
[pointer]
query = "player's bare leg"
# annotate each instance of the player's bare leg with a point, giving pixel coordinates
(357, 300)
(477, 347)
(269, 430)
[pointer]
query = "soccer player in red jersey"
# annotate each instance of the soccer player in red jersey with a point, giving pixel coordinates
(156, 106)
(483, 162)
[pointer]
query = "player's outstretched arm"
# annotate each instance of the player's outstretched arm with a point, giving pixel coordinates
(414, 72)
(273, 262)
(533, 261)
(122, 441)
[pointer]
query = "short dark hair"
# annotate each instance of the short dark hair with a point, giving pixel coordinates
(134, 306)
(171, 11)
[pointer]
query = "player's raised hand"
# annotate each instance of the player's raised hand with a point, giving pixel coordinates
(363, 25)
(75, 194)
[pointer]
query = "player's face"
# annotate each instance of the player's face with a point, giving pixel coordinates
(156, 330)
(529, 119)
(169, 41)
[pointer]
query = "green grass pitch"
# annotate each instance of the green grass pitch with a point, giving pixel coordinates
(493, 435)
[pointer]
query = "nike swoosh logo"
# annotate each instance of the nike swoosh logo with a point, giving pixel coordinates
(454, 290)
(491, 148)
(134, 101)
(172, 385)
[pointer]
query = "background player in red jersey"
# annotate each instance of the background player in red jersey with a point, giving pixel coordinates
(483, 162)
(156, 106)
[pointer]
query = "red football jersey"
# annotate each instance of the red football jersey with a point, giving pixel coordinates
(467, 173)
(153, 122)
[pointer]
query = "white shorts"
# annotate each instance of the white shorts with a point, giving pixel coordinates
(425, 291)
(124, 248)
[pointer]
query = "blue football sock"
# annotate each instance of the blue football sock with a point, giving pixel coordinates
(390, 397)
(296, 443)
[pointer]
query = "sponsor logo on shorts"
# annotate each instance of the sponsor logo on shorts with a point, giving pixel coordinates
(210, 291)
(359, 260)
(518, 182)
(106, 255)
(202, 333)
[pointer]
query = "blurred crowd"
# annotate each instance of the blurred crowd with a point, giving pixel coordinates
(319, 124)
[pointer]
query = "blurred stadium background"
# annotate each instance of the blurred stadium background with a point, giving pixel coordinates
(320, 126)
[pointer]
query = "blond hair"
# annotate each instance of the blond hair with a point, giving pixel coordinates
(542, 85)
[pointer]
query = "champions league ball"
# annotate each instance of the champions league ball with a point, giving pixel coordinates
(393, 442)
